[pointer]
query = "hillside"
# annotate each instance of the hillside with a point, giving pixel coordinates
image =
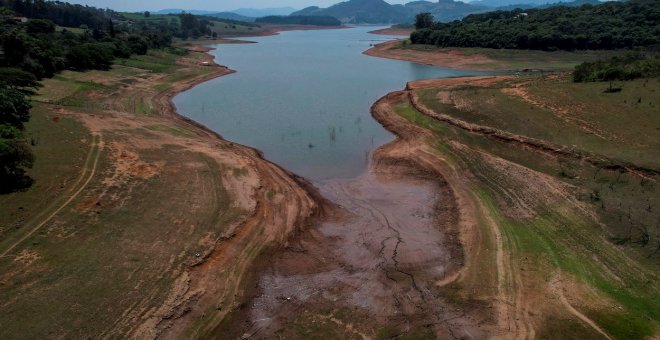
(262, 12)
(537, 155)
(611, 25)
(231, 16)
(526, 3)
(359, 11)
(379, 11)
(444, 10)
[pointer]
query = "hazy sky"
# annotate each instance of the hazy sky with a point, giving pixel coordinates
(212, 5)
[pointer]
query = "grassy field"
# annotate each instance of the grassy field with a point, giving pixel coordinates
(121, 207)
(76, 30)
(224, 29)
(572, 231)
(565, 113)
(582, 118)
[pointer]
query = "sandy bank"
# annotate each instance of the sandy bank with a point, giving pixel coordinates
(443, 58)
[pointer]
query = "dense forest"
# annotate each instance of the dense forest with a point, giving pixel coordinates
(57, 36)
(610, 25)
(631, 66)
(33, 48)
(300, 20)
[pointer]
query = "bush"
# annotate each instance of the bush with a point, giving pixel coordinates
(631, 66)
(90, 56)
(15, 158)
(14, 107)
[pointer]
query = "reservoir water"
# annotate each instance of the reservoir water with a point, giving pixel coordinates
(303, 98)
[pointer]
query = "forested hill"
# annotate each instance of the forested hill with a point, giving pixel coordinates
(612, 25)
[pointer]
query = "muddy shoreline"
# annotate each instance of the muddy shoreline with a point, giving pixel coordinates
(303, 205)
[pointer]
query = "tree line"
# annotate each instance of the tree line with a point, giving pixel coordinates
(15, 154)
(611, 25)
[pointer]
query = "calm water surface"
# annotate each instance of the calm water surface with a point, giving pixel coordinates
(303, 98)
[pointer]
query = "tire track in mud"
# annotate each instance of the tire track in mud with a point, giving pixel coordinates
(88, 172)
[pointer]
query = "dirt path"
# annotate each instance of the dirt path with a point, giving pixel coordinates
(96, 147)
(581, 316)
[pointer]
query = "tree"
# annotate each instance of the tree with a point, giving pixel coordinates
(147, 14)
(14, 107)
(423, 20)
(19, 79)
(37, 26)
(90, 56)
(15, 158)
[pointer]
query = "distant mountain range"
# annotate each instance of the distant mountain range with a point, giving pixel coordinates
(262, 12)
(231, 16)
(381, 12)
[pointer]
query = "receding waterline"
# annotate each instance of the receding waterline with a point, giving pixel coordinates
(303, 98)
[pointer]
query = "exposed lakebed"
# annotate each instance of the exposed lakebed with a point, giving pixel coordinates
(304, 99)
